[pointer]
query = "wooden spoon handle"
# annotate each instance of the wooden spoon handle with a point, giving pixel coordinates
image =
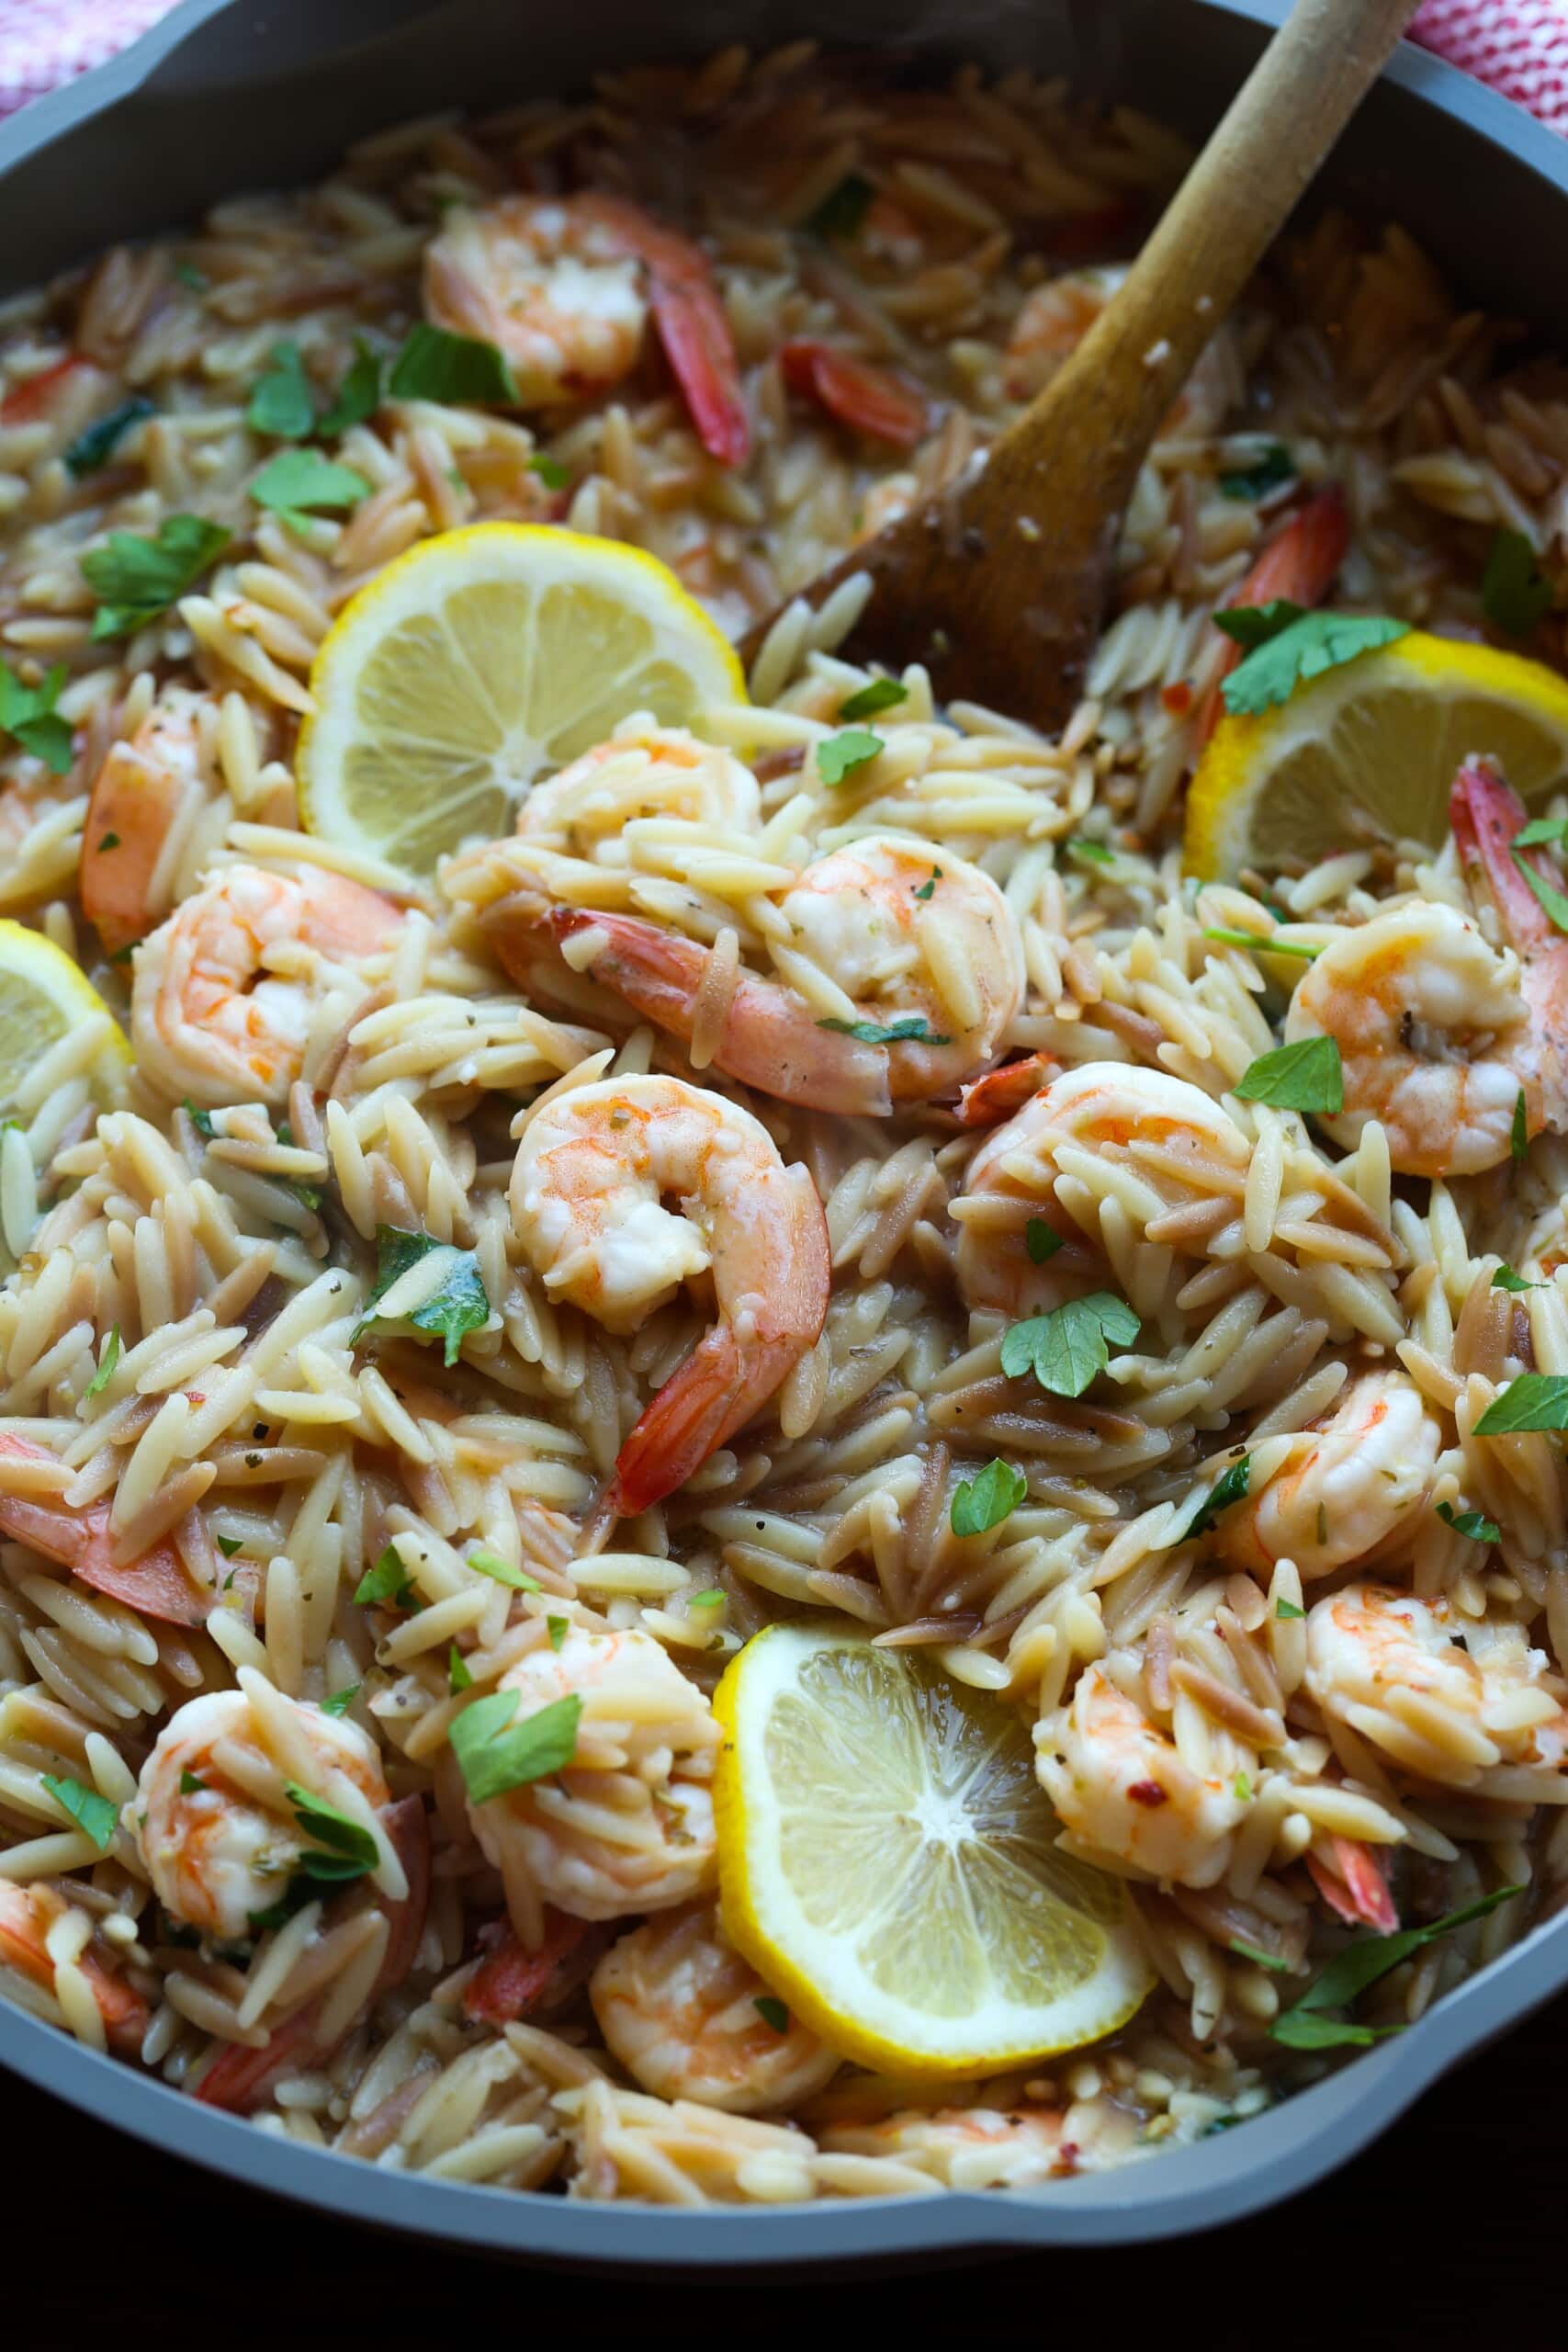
(1222, 220)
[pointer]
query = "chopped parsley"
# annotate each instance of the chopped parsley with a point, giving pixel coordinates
(341, 1701)
(453, 1302)
(1095, 853)
(1285, 646)
(456, 369)
(1260, 1959)
(1284, 1609)
(1505, 1279)
(458, 1677)
(772, 2011)
(1066, 1349)
(867, 701)
(1273, 467)
(298, 480)
(28, 716)
(1259, 942)
(1519, 1134)
(839, 756)
(229, 1545)
(136, 577)
(200, 1119)
(1515, 596)
(281, 403)
(927, 890)
(984, 1501)
(358, 396)
(1040, 1240)
(1474, 1523)
(98, 445)
(843, 208)
(910, 1029)
(343, 1848)
(558, 1628)
(1347, 1975)
(1306, 1076)
(1228, 1488)
(496, 1755)
(97, 1818)
(107, 1363)
(550, 470)
(491, 1564)
(1536, 1400)
(386, 1582)
(191, 1786)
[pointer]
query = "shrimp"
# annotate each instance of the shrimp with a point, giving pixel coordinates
(1121, 1785)
(626, 1825)
(588, 1185)
(1300, 563)
(1055, 319)
(913, 943)
(1166, 1139)
(223, 1823)
(640, 771)
(971, 2147)
(564, 286)
(688, 2018)
(1350, 1490)
(208, 1018)
(988, 1101)
(155, 1585)
(140, 791)
(1447, 1699)
(866, 399)
(28, 1916)
(1486, 818)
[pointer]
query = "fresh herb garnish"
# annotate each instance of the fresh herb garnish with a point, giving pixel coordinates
(910, 1029)
(882, 694)
(839, 756)
(136, 578)
(189, 275)
(96, 1817)
(491, 1564)
(1306, 1076)
(98, 445)
(927, 890)
(1303, 2026)
(341, 1701)
(200, 1119)
(843, 208)
(1505, 1279)
(453, 1300)
(1260, 1959)
(1474, 1523)
(550, 470)
(27, 714)
(772, 2011)
(1241, 1788)
(1519, 1134)
(456, 369)
(1286, 646)
(1229, 1487)
(281, 401)
(298, 480)
(495, 1755)
(1040, 1240)
(191, 1786)
(1097, 853)
(229, 1545)
(458, 1675)
(1515, 596)
(1536, 1400)
(1546, 893)
(1259, 942)
(983, 1501)
(107, 1363)
(358, 396)
(1284, 1609)
(1066, 1349)
(558, 1628)
(1275, 466)
(386, 1582)
(343, 1847)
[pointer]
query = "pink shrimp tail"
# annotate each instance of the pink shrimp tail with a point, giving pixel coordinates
(988, 1101)
(1300, 562)
(1485, 815)
(866, 399)
(26, 1915)
(1354, 1887)
(154, 1586)
(511, 1982)
(692, 326)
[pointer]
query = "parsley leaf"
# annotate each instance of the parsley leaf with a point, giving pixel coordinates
(550, 470)
(1040, 1240)
(136, 578)
(1536, 1400)
(97, 1817)
(1288, 647)
(458, 1675)
(1066, 1349)
(297, 479)
(1519, 1134)
(280, 401)
(1307, 1075)
(1096, 853)
(1229, 1487)
(1505, 1279)
(1513, 595)
(358, 396)
(499, 1571)
(27, 713)
(1472, 1524)
(200, 1119)
(838, 756)
(341, 1701)
(1260, 943)
(107, 1363)
(386, 1581)
(843, 208)
(343, 1847)
(882, 694)
(1275, 466)
(984, 1501)
(927, 890)
(495, 1755)
(1362, 1963)
(772, 2011)
(456, 369)
(98, 445)
(1284, 1609)
(1260, 1959)
(558, 1629)
(910, 1029)
(1550, 896)
(447, 1298)
(190, 1786)
(229, 1545)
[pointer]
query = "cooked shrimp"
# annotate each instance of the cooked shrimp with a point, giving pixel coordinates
(1487, 818)
(1166, 1139)
(27, 1916)
(1121, 1783)
(885, 933)
(1300, 563)
(863, 397)
(224, 991)
(684, 2013)
(592, 1171)
(564, 286)
(1350, 1880)
(1350, 1490)
(1055, 319)
(986, 1102)
(141, 789)
(640, 771)
(218, 1826)
(1446, 1699)
(973, 2147)
(82, 1540)
(627, 1825)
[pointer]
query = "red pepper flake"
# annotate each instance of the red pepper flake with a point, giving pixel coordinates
(1148, 1792)
(1177, 699)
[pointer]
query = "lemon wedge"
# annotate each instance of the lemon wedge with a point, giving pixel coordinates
(477, 661)
(42, 995)
(1381, 736)
(888, 1863)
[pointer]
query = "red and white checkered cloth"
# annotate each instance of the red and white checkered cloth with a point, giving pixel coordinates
(1520, 45)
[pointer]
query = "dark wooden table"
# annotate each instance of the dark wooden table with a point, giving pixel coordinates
(1449, 2230)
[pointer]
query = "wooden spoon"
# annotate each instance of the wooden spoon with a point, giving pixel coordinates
(1000, 583)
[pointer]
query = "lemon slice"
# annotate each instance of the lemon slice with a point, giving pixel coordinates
(477, 661)
(888, 1861)
(1383, 736)
(42, 995)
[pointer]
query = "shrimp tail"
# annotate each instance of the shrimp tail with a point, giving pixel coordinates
(1485, 815)
(866, 399)
(988, 1101)
(770, 1039)
(734, 1369)
(511, 1981)
(1300, 562)
(240, 2077)
(25, 1917)
(691, 327)
(154, 1586)
(407, 1825)
(1353, 1885)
